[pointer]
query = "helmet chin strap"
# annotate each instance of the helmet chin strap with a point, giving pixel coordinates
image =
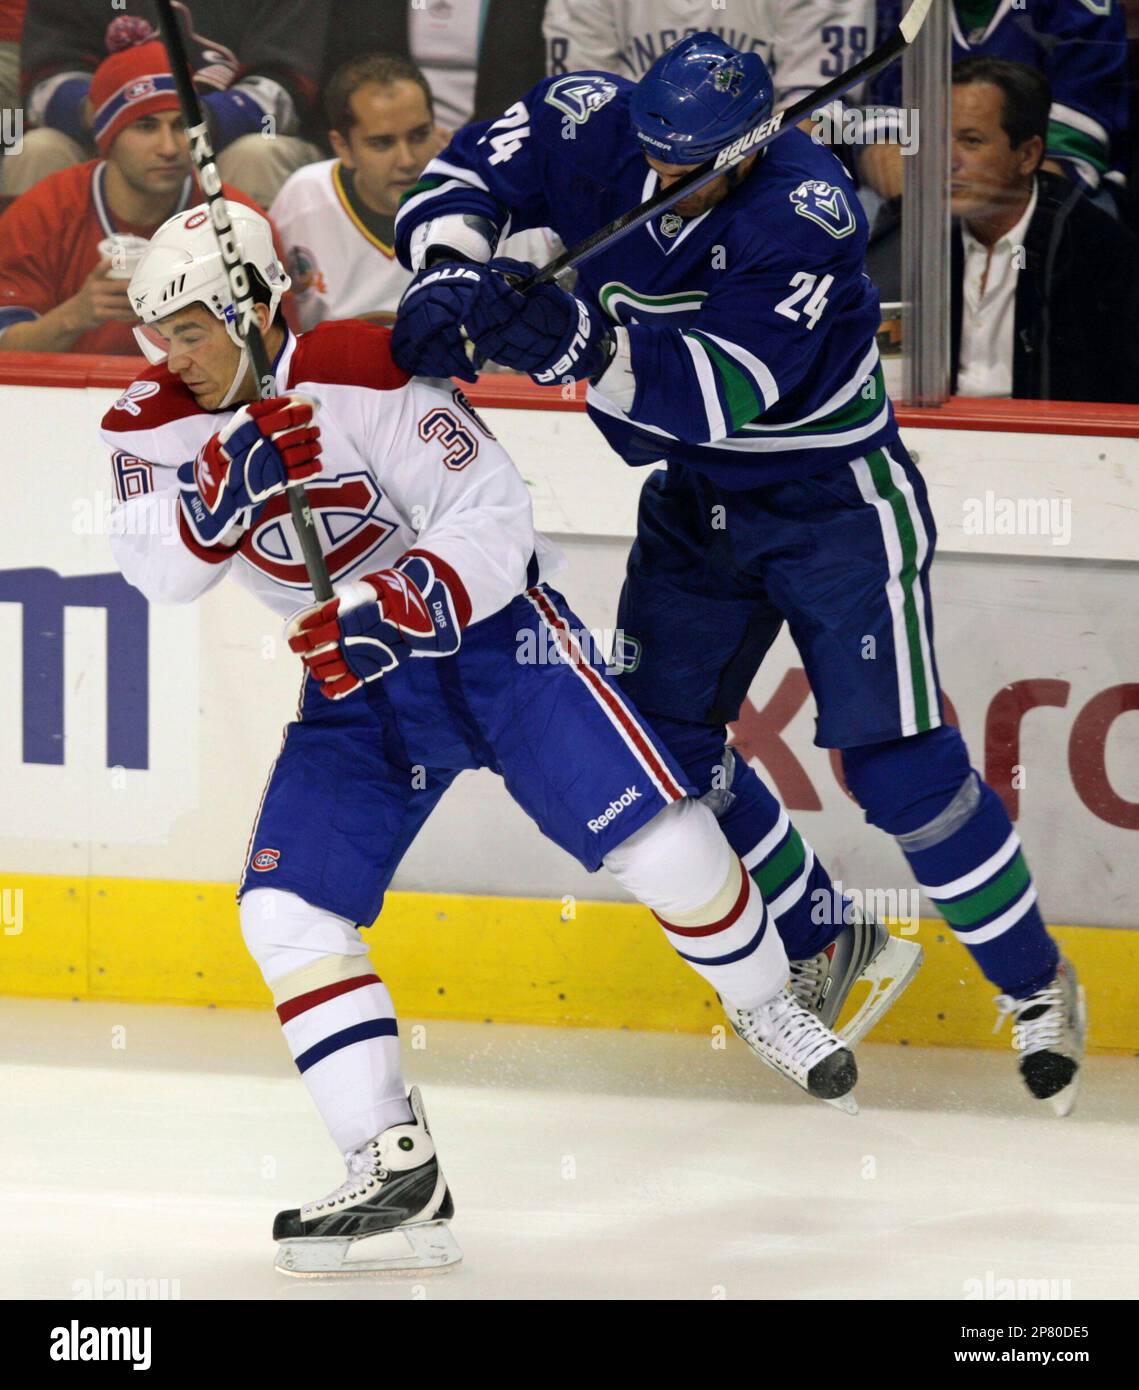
(239, 377)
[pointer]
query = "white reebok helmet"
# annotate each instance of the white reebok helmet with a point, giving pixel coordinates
(183, 266)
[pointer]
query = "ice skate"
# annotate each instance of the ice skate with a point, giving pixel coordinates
(389, 1216)
(794, 1043)
(1049, 1028)
(864, 951)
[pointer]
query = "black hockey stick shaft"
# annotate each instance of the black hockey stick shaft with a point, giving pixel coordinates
(202, 153)
(735, 153)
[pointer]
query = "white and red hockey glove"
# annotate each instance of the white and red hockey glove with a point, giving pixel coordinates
(267, 447)
(379, 621)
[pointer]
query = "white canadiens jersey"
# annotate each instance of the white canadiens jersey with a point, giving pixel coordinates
(805, 43)
(405, 462)
(338, 268)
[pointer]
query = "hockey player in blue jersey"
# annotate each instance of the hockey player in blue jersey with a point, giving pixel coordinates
(733, 339)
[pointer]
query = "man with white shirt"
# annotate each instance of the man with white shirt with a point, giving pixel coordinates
(1035, 312)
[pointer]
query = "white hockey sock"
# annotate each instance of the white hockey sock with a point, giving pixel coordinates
(681, 866)
(335, 1011)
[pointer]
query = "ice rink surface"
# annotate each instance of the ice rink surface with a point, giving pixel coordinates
(149, 1143)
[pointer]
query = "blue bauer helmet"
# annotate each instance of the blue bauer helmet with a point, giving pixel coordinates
(699, 97)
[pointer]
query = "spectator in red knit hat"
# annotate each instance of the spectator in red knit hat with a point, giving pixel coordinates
(68, 245)
(11, 17)
(255, 63)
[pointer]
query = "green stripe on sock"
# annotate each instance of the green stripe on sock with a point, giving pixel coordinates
(777, 871)
(889, 492)
(1001, 892)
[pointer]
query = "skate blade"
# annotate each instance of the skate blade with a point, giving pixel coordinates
(426, 1247)
(889, 974)
(1063, 1102)
(847, 1104)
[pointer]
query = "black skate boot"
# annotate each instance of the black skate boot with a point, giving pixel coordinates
(390, 1214)
(1049, 1028)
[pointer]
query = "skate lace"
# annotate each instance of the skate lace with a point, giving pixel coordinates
(1038, 1020)
(783, 1025)
(807, 977)
(364, 1174)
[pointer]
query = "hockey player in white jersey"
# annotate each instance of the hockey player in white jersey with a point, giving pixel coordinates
(428, 537)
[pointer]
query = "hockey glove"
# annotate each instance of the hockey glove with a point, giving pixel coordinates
(267, 447)
(547, 332)
(428, 338)
(379, 621)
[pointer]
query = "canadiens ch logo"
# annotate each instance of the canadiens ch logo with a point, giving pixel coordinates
(265, 859)
(346, 511)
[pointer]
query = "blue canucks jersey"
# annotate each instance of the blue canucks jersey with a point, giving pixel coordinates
(751, 328)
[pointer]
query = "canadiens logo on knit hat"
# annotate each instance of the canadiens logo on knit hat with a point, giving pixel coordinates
(265, 859)
(137, 90)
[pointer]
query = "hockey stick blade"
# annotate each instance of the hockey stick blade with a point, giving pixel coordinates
(202, 154)
(741, 149)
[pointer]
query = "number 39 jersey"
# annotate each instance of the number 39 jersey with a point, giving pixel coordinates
(404, 462)
(751, 328)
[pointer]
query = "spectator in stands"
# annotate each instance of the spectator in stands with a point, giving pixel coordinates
(804, 43)
(477, 57)
(337, 218)
(1081, 48)
(256, 64)
(59, 291)
(11, 17)
(1045, 286)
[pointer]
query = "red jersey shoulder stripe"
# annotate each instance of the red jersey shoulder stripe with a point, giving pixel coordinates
(155, 398)
(347, 352)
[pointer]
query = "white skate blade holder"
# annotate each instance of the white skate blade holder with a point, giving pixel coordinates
(1063, 1102)
(423, 1247)
(888, 974)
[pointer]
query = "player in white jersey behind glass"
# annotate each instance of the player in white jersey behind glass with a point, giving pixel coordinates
(414, 674)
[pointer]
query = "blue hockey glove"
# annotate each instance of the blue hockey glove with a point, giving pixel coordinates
(547, 332)
(416, 609)
(268, 446)
(428, 339)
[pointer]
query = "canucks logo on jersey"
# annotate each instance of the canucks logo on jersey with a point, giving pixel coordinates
(825, 205)
(579, 97)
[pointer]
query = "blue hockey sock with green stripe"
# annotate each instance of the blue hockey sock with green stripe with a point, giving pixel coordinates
(970, 864)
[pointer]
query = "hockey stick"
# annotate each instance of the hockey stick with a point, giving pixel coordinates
(735, 153)
(202, 153)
